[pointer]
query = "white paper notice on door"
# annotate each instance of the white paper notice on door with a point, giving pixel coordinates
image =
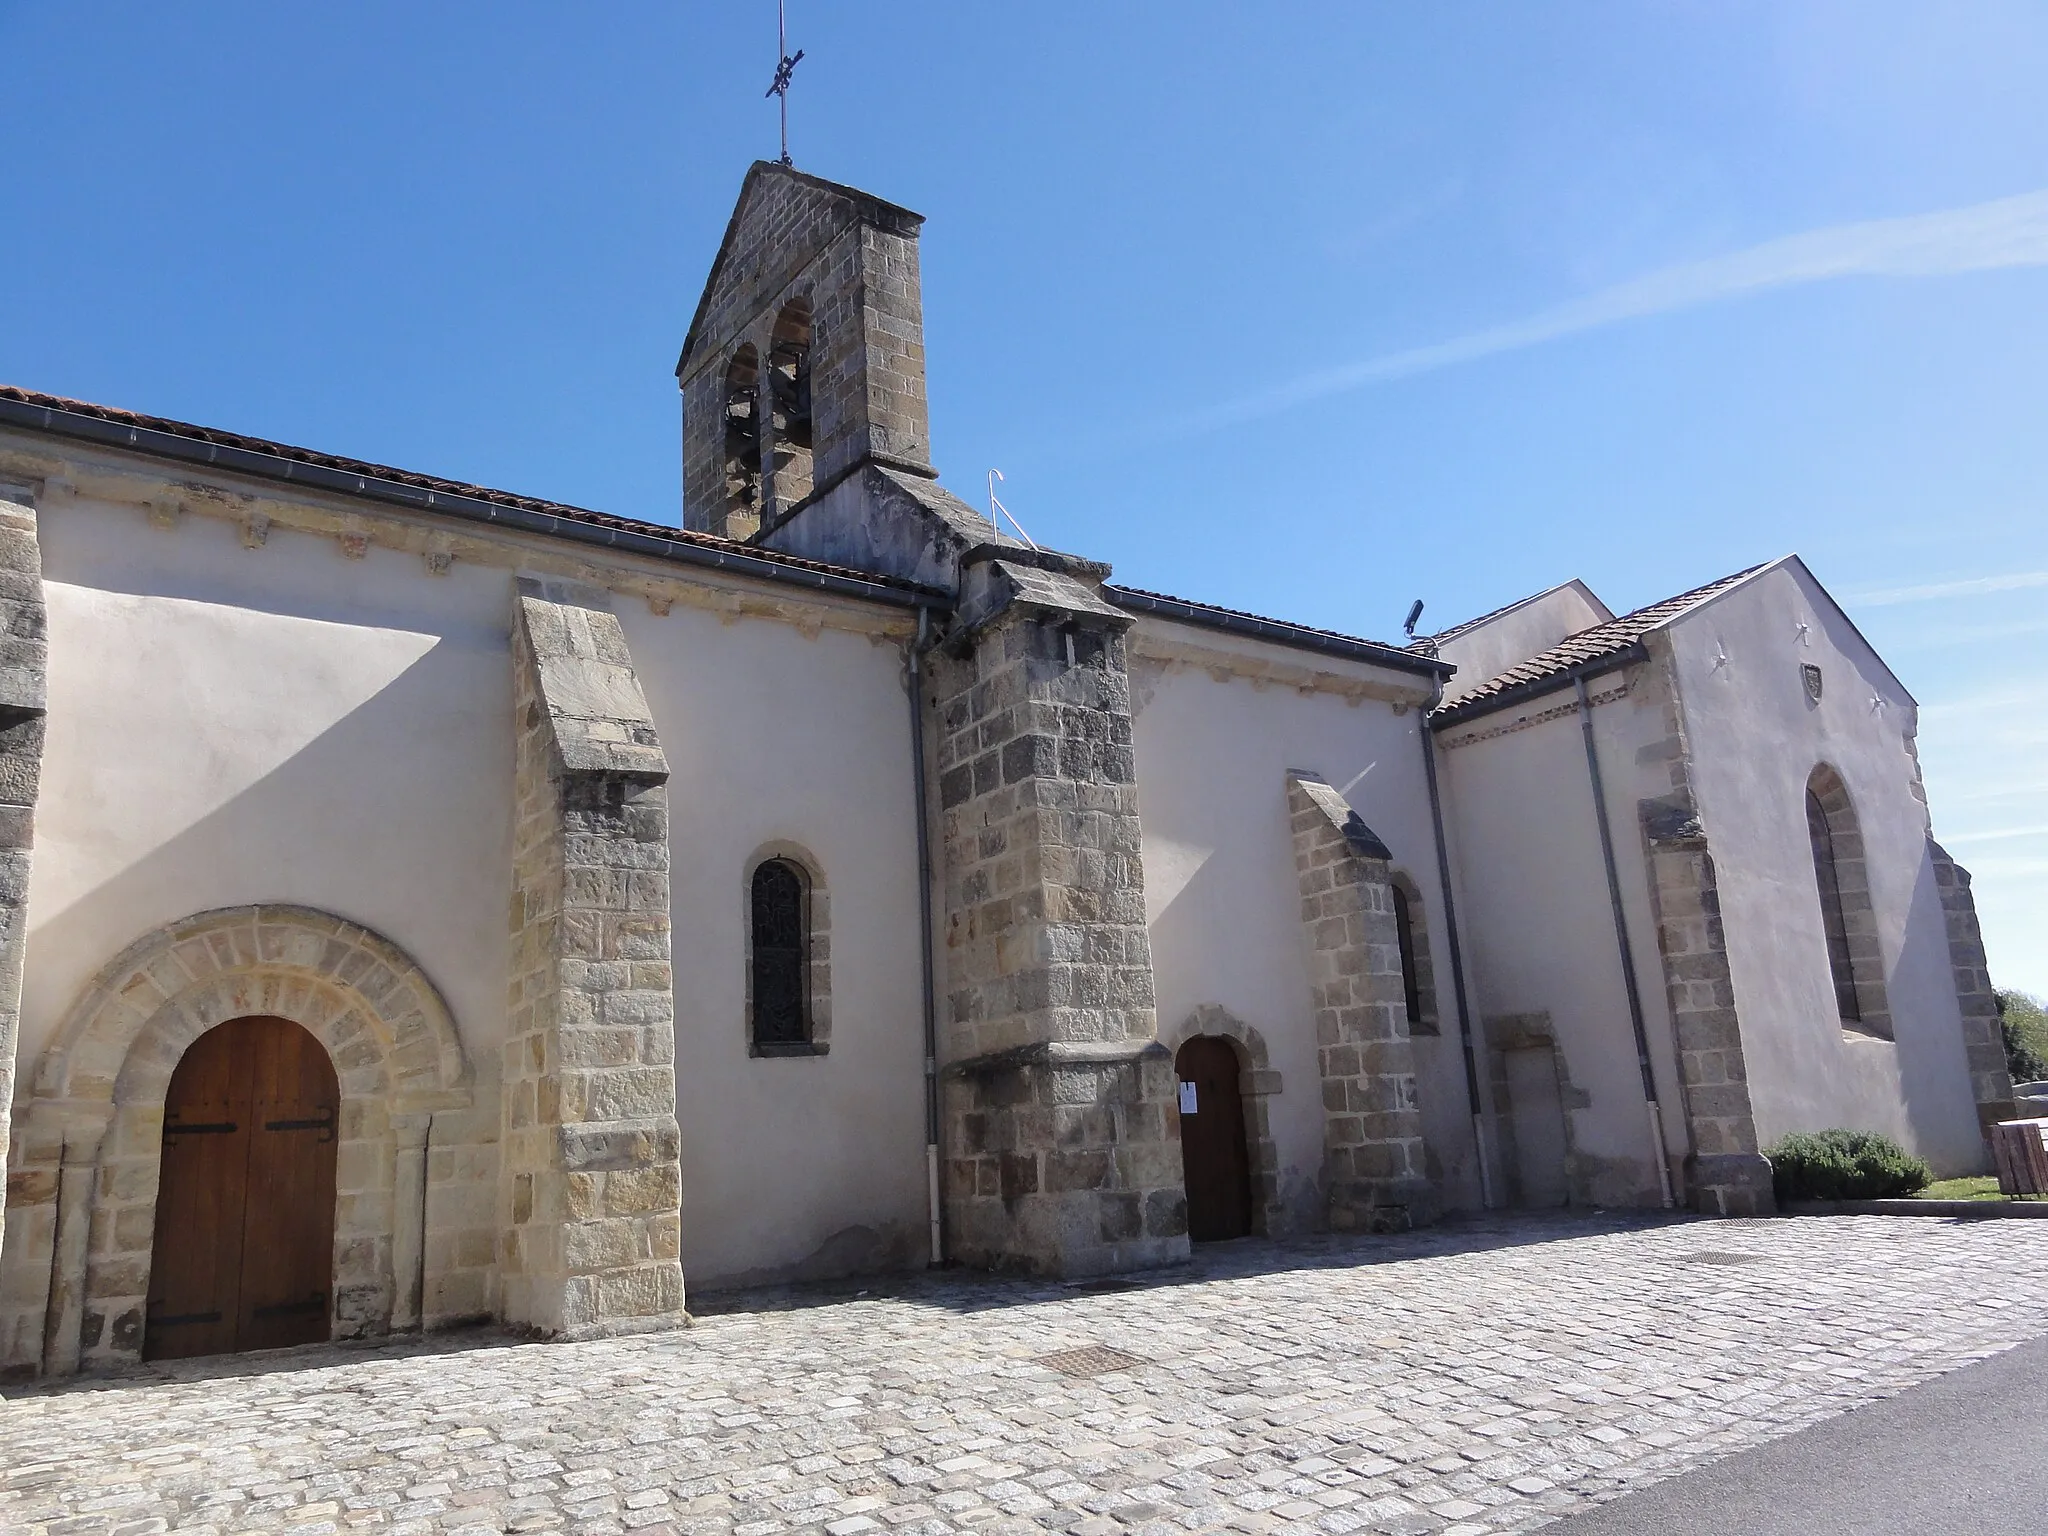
(1187, 1098)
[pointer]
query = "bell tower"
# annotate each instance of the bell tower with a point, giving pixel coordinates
(804, 362)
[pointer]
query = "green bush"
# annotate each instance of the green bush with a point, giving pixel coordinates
(2023, 1064)
(2025, 1025)
(1844, 1165)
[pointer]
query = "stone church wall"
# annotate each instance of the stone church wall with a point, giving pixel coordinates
(1541, 928)
(796, 741)
(255, 707)
(1215, 748)
(234, 724)
(1738, 660)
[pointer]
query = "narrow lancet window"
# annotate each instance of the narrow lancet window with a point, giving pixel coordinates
(1404, 928)
(1411, 931)
(1848, 917)
(781, 959)
(1834, 921)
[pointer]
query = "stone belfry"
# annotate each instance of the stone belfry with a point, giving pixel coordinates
(805, 360)
(805, 429)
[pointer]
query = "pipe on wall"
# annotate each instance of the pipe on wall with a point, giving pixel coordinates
(927, 982)
(1443, 875)
(1622, 945)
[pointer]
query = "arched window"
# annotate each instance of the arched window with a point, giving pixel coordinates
(1848, 921)
(742, 444)
(788, 1003)
(789, 388)
(1418, 979)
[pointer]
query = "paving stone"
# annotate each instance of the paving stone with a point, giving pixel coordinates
(1477, 1378)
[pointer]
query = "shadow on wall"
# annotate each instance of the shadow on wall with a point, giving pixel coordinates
(357, 822)
(1934, 1069)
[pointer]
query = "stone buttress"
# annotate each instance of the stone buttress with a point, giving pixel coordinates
(592, 1179)
(1726, 1173)
(23, 655)
(1983, 1031)
(1062, 1144)
(1374, 1173)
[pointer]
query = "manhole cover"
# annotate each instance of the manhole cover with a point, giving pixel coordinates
(1725, 1259)
(1095, 1360)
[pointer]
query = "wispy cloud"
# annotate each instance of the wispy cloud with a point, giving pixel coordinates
(1935, 591)
(1947, 635)
(1997, 835)
(2008, 232)
(2023, 702)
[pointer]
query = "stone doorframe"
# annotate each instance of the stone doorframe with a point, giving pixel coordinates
(1504, 1032)
(95, 1122)
(1259, 1083)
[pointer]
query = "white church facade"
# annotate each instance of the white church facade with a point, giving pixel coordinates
(421, 903)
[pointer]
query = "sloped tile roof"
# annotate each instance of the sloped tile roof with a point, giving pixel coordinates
(1426, 645)
(1603, 642)
(742, 555)
(1281, 631)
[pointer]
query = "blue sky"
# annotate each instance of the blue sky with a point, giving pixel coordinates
(1308, 309)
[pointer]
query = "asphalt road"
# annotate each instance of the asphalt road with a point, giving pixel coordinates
(1966, 1453)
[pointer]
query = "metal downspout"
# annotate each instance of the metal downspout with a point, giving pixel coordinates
(1628, 959)
(426, 1194)
(924, 933)
(1443, 876)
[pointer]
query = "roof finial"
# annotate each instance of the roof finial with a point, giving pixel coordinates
(785, 66)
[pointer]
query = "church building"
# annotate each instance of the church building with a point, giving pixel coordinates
(421, 903)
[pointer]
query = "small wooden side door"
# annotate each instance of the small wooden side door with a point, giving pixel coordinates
(244, 1247)
(1215, 1158)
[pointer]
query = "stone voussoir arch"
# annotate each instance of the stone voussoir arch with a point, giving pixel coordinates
(104, 1078)
(1260, 1083)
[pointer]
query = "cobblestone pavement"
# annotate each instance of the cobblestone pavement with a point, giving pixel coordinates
(1481, 1377)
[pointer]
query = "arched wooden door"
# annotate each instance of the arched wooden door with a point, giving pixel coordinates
(1214, 1157)
(243, 1256)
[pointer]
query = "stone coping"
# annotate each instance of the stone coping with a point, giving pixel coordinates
(1963, 1208)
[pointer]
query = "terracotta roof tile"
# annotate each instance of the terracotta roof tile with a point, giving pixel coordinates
(1600, 643)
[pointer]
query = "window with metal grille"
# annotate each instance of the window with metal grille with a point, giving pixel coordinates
(781, 959)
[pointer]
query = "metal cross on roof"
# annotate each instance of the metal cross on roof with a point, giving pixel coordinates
(785, 66)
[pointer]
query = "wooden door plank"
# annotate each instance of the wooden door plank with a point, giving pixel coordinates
(196, 1252)
(288, 1249)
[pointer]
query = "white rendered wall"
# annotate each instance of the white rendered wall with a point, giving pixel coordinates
(1220, 883)
(1540, 922)
(1804, 1073)
(229, 725)
(1525, 630)
(791, 1165)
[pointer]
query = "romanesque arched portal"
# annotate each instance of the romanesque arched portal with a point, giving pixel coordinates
(95, 1125)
